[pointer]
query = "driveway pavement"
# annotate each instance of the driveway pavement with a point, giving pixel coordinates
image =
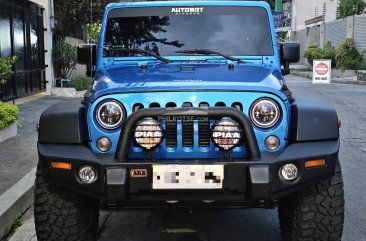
(18, 155)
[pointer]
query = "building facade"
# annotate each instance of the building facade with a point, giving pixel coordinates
(26, 32)
(312, 12)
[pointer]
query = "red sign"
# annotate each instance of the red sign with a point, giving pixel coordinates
(321, 69)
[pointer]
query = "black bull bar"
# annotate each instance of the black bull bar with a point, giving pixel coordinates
(249, 139)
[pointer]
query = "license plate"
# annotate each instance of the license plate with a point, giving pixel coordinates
(188, 176)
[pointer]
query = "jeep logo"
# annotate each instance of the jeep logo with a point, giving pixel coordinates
(187, 10)
(145, 134)
(138, 173)
(234, 135)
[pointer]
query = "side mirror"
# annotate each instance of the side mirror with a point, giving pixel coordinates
(87, 54)
(289, 53)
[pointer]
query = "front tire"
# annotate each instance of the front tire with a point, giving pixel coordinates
(63, 215)
(314, 214)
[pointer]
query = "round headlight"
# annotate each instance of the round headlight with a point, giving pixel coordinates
(148, 134)
(265, 113)
(110, 114)
(226, 134)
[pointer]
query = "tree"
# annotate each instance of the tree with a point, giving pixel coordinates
(65, 59)
(277, 5)
(71, 15)
(350, 7)
(91, 32)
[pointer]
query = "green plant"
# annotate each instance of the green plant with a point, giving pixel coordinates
(81, 83)
(347, 56)
(314, 52)
(6, 65)
(91, 32)
(311, 53)
(65, 59)
(350, 7)
(9, 114)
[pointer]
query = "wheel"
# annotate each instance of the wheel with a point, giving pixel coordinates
(63, 215)
(314, 214)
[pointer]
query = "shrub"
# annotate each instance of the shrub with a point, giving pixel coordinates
(65, 59)
(81, 83)
(347, 56)
(311, 53)
(350, 7)
(314, 52)
(6, 68)
(9, 114)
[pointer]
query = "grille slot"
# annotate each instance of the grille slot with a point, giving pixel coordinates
(187, 133)
(171, 133)
(237, 106)
(220, 104)
(204, 133)
(154, 105)
(171, 104)
(137, 106)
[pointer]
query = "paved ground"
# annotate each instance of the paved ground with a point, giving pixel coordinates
(18, 155)
(204, 225)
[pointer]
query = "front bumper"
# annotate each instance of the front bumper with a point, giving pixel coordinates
(247, 183)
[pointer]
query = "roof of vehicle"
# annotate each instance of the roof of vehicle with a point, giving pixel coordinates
(188, 3)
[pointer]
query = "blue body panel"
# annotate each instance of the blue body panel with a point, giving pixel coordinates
(245, 98)
(209, 80)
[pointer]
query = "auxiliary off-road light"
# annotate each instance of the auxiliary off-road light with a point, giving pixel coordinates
(272, 143)
(87, 174)
(265, 113)
(226, 134)
(104, 144)
(289, 172)
(110, 114)
(148, 134)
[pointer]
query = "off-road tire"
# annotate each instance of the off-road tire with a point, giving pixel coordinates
(314, 214)
(63, 215)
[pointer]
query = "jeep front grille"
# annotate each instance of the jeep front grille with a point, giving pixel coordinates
(187, 127)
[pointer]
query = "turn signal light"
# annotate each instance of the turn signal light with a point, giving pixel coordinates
(315, 163)
(61, 165)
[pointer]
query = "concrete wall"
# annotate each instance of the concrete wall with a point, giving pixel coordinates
(360, 34)
(48, 22)
(334, 32)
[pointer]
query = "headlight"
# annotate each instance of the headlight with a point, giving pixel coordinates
(110, 114)
(148, 134)
(265, 113)
(226, 134)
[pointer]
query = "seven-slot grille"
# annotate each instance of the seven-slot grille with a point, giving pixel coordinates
(187, 125)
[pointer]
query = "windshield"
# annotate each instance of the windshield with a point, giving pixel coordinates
(240, 31)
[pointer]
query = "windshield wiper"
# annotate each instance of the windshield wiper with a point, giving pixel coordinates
(209, 52)
(138, 51)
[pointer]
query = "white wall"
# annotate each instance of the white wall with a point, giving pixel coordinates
(47, 14)
(307, 9)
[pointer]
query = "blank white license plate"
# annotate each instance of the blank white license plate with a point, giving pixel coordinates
(188, 176)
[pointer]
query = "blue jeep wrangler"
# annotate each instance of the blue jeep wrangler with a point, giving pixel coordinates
(189, 108)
